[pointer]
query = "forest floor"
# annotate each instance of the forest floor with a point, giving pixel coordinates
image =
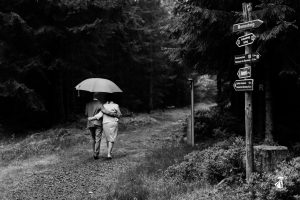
(44, 166)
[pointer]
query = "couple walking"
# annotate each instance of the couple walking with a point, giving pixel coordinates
(103, 119)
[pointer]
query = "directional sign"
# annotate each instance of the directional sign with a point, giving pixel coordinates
(245, 40)
(244, 72)
(243, 85)
(246, 58)
(247, 25)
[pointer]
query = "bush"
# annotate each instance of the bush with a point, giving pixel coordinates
(41, 143)
(264, 185)
(216, 123)
(145, 180)
(205, 89)
(204, 124)
(211, 165)
(260, 187)
(209, 193)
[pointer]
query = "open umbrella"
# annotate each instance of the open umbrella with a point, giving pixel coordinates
(98, 85)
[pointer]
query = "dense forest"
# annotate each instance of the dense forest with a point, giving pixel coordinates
(149, 48)
(207, 44)
(49, 46)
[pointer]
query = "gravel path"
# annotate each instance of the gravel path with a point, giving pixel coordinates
(74, 174)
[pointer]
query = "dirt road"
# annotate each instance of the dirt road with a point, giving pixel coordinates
(73, 173)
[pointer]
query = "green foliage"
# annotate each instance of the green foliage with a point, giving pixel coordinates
(264, 185)
(189, 179)
(160, 159)
(216, 123)
(50, 46)
(215, 194)
(19, 92)
(279, 23)
(202, 29)
(205, 89)
(205, 42)
(38, 144)
(211, 165)
(144, 181)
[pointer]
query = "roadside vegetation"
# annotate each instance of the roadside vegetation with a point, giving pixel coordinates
(214, 169)
(216, 172)
(59, 138)
(51, 141)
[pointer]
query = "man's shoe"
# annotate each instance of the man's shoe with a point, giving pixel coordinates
(96, 157)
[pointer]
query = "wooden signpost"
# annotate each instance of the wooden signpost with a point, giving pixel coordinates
(244, 72)
(246, 85)
(243, 85)
(247, 25)
(246, 58)
(245, 40)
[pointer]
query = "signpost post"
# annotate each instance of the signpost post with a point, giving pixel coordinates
(244, 84)
(191, 80)
(247, 8)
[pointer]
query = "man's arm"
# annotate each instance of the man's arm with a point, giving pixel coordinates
(118, 111)
(105, 111)
(96, 117)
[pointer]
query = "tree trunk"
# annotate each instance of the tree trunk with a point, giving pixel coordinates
(219, 88)
(269, 114)
(150, 105)
(69, 94)
(58, 98)
(261, 113)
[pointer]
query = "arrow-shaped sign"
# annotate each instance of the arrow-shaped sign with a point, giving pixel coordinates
(245, 40)
(243, 85)
(246, 58)
(247, 25)
(244, 72)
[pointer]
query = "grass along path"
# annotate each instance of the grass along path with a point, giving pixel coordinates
(71, 173)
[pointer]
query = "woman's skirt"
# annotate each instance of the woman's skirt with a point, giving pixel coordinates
(110, 130)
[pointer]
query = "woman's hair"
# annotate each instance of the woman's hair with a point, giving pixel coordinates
(109, 97)
(112, 97)
(100, 96)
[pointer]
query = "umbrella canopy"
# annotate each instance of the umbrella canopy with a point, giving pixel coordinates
(98, 85)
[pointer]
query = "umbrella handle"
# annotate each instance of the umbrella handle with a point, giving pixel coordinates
(78, 93)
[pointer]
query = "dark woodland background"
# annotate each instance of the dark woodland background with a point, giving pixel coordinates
(148, 48)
